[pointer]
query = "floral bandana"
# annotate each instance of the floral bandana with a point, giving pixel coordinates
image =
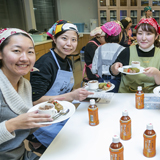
(6, 32)
(61, 25)
(150, 21)
(111, 28)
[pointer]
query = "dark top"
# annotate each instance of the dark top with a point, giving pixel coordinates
(43, 80)
(124, 40)
(88, 56)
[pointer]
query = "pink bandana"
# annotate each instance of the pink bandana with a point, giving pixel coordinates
(150, 21)
(6, 32)
(111, 28)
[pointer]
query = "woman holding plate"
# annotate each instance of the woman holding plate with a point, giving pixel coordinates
(147, 53)
(17, 57)
(55, 77)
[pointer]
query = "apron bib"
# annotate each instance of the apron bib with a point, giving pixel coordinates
(63, 84)
(129, 83)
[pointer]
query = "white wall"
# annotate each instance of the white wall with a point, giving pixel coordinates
(77, 11)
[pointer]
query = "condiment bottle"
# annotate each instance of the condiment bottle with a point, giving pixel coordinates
(116, 149)
(125, 126)
(139, 98)
(93, 113)
(149, 141)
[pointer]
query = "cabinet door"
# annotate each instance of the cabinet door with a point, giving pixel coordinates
(101, 3)
(156, 15)
(133, 15)
(155, 2)
(133, 3)
(144, 2)
(47, 46)
(39, 54)
(103, 17)
(113, 15)
(123, 14)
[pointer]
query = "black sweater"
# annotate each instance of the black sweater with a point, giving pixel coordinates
(43, 80)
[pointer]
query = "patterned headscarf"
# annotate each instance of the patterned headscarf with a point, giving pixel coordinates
(150, 21)
(147, 8)
(6, 32)
(111, 28)
(61, 25)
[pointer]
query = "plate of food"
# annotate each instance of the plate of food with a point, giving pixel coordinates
(131, 70)
(102, 87)
(59, 105)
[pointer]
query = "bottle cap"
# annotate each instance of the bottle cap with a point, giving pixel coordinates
(139, 88)
(125, 113)
(92, 101)
(115, 139)
(150, 126)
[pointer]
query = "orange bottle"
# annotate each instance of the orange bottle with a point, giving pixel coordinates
(149, 135)
(93, 113)
(139, 98)
(116, 149)
(125, 126)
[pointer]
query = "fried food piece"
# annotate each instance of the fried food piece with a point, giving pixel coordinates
(58, 106)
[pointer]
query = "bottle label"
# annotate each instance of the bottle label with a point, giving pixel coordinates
(116, 154)
(140, 101)
(149, 145)
(93, 116)
(125, 129)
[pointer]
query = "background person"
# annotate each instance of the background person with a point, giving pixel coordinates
(129, 31)
(106, 54)
(148, 12)
(17, 57)
(147, 53)
(89, 52)
(125, 38)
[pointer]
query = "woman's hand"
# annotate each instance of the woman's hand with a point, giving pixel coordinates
(151, 71)
(27, 121)
(114, 68)
(80, 94)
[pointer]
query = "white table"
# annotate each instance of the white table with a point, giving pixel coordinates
(80, 141)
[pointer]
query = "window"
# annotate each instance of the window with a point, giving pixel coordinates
(45, 14)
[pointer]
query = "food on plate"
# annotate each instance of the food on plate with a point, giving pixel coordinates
(131, 70)
(105, 86)
(58, 106)
(46, 107)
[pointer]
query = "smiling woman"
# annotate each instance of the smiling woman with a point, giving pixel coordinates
(147, 52)
(17, 58)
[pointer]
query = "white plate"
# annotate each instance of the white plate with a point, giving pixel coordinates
(65, 105)
(156, 91)
(121, 70)
(112, 87)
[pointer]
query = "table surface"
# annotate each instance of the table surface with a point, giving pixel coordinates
(80, 141)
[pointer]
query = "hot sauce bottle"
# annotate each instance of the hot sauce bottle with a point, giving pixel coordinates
(149, 141)
(139, 98)
(116, 149)
(93, 113)
(125, 126)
